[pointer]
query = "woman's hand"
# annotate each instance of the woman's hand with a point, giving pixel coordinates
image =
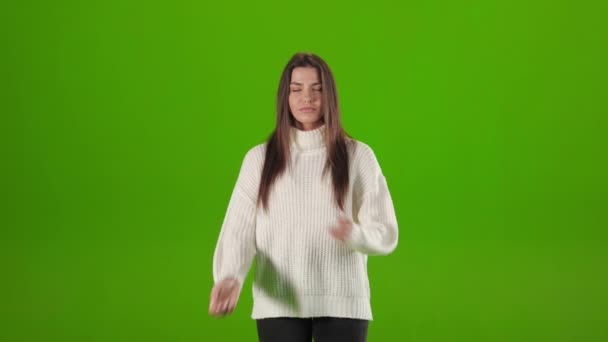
(342, 230)
(224, 296)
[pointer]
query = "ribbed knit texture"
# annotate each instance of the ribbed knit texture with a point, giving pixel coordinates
(301, 269)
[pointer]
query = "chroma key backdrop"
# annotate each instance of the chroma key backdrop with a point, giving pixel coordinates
(124, 124)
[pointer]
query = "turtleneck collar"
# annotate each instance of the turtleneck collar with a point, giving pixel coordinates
(307, 140)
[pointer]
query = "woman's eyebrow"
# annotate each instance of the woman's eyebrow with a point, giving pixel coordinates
(298, 83)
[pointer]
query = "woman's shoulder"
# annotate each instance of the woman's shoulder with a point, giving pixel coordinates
(255, 155)
(360, 151)
(258, 149)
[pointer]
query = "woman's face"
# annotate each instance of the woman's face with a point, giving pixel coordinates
(305, 97)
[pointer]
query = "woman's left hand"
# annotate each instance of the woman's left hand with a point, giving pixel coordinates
(342, 230)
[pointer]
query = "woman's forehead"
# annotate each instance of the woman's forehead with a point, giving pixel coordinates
(303, 75)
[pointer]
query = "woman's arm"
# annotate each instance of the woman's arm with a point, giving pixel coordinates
(235, 248)
(374, 228)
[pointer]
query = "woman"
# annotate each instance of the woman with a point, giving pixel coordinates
(310, 204)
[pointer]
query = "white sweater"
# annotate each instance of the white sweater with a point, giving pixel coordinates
(301, 269)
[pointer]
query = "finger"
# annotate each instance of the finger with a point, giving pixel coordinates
(220, 306)
(213, 300)
(211, 305)
(333, 233)
(213, 292)
(233, 300)
(213, 309)
(221, 292)
(230, 307)
(216, 307)
(340, 234)
(226, 307)
(220, 298)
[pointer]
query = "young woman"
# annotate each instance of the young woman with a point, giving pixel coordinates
(309, 205)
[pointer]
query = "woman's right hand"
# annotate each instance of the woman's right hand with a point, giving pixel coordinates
(224, 296)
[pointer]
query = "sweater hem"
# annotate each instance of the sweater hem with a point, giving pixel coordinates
(266, 306)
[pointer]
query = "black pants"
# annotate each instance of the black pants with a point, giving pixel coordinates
(323, 329)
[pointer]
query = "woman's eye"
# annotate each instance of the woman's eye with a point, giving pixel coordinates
(297, 90)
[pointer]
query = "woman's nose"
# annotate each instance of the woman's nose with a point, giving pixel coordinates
(307, 97)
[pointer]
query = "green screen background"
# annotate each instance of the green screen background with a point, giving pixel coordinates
(124, 124)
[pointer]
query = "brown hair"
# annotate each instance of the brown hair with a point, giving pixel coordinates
(336, 139)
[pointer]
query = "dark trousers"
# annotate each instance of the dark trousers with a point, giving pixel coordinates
(322, 329)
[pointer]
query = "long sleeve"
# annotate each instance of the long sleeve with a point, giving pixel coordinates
(235, 248)
(374, 230)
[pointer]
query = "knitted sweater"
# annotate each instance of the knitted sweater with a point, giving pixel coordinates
(301, 269)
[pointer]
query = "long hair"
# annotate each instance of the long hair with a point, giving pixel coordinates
(278, 152)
